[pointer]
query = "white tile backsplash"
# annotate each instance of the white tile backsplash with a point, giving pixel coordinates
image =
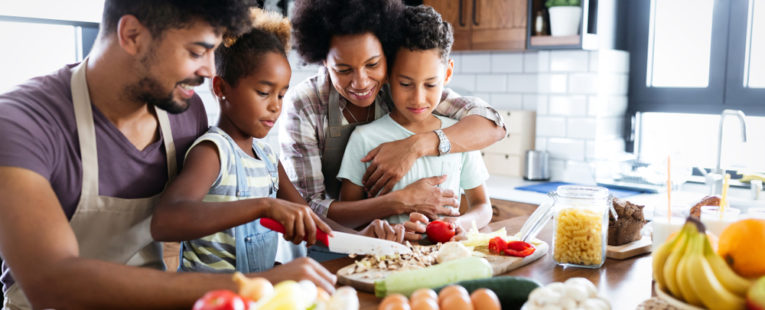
(552, 83)
(476, 63)
(491, 83)
(572, 105)
(534, 62)
(522, 83)
(584, 83)
(581, 128)
(565, 148)
(551, 126)
(607, 105)
(534, 102)
(507, 62)
(569, 61)
(506, 101)
(463, 82)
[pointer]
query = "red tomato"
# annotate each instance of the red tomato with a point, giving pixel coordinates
(440, 231)
(519, 249)
(497, 245)
(220, 300)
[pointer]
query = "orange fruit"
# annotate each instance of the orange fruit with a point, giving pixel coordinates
(742, 245)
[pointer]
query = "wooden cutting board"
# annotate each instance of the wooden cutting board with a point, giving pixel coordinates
(500, 264)
(631, 249)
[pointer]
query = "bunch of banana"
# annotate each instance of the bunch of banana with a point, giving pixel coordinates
(688, 268)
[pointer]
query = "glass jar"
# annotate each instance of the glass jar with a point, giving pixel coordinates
(580, 225)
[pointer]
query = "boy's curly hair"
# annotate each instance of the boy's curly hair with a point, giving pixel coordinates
(160, 15)
(423, 28)
(317, 21)
(239, 56)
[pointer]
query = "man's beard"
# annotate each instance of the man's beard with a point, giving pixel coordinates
(150, 91)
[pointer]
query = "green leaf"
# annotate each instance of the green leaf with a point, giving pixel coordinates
(552, 3)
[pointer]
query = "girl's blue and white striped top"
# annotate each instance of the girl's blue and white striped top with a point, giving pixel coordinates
(217, 252)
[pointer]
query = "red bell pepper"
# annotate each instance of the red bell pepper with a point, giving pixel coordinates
(497, 245)
(519, 249)
(220, 300)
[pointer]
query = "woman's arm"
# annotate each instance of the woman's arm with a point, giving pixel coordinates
(479, 126)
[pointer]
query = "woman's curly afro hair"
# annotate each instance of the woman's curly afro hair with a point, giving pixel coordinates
(422, 28)
(315, 22)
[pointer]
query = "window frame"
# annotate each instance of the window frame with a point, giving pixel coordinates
(725, 89)
(85, 32)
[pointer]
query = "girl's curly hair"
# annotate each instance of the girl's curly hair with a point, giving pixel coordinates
(238, 56)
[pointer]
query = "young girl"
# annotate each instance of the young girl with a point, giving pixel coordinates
(417, 77)
(229, 180)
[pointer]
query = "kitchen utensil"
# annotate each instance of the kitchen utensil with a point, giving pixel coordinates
(537, 166)
(347, 243)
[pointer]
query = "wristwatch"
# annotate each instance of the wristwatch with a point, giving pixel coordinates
(444, 146)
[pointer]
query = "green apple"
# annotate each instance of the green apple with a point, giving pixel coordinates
(755, 298)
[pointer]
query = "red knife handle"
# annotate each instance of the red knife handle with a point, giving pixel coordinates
(277, 227)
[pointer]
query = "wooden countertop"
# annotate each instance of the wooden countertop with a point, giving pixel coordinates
(625, 283)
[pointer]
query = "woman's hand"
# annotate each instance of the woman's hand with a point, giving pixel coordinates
(389, 162)
(426, 198)
(299, 221)
(383, 230)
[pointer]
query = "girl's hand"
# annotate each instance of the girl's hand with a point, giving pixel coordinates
(299, 221)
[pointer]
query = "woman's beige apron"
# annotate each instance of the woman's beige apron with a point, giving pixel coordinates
(336, 139)
(107, 228)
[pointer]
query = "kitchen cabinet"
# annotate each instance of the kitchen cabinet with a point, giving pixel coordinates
(485, 24)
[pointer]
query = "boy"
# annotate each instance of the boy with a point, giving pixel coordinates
(420, 70)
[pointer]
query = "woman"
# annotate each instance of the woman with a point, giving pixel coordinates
(352, 40)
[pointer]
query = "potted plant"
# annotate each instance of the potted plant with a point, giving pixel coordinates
(564, 16)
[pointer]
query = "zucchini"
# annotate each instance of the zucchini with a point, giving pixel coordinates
(406, 282)
(512, 291)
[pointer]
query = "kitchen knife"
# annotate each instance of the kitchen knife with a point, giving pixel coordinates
(346, 243)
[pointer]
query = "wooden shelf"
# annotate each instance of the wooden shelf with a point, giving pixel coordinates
(555, 41)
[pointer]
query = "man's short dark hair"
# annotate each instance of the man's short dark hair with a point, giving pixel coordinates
(422, 28)
(315, 22)
(160, 15)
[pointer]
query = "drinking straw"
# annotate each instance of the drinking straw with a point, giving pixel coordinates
(669, 193)
(724, 198)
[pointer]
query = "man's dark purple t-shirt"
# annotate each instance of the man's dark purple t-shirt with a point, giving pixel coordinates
(38, 132)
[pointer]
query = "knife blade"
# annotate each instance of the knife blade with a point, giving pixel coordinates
(346, 243)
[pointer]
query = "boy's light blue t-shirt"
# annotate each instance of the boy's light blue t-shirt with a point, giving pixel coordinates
(463, 170)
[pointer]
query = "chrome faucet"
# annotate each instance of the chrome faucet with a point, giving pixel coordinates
(714, 178)
(742, 119)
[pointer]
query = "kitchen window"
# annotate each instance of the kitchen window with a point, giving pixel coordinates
(43, 35)
(697, 56)
(689, 60)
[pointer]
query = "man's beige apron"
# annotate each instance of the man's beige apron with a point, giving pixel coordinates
(107, 228)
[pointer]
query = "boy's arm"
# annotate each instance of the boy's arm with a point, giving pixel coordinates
(478, 127)
(480, 208)
(181, 204)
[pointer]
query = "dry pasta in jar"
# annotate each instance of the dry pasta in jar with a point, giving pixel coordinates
(579, 237)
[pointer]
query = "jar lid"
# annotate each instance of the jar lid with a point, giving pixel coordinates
(582, 192)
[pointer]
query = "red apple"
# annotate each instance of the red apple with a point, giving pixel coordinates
(755, 298)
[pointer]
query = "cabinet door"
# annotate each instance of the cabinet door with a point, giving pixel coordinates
(457, 13)
(498, 24)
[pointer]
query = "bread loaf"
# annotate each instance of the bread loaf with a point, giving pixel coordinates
(627, 227)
